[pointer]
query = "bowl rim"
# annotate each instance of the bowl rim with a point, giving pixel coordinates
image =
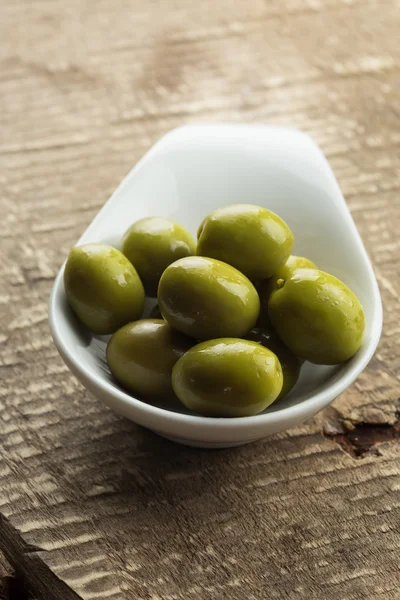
(191, 422)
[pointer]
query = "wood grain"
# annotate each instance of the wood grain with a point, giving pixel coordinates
(93, 507)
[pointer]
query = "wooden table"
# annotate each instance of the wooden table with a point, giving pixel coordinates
(91, 506)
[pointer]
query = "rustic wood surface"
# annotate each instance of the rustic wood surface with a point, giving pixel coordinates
(91, 506)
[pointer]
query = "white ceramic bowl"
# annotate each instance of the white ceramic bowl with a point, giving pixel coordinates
(188, 173)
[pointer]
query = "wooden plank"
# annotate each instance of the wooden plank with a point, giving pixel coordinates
(92, 506)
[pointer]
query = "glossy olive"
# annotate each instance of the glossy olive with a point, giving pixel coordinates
(152, 244)
(206, 298)
(287, 270)
(102, 287)
(251, 238)
(266, 287)
(141, 356)
(227, 377)
(317, 316)
(290, 364)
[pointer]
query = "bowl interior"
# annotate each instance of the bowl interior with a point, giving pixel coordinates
(196, 169)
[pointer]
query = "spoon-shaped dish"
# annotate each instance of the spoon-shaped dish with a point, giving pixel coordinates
(189, 172)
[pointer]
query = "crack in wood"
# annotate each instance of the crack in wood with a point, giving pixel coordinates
(361, 438)
(11, 584)
(30, 568)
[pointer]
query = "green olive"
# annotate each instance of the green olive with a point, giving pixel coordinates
(206, 298)
(227, 378)
(141, 356)
(266, 287)
(152, 244)
(102, 287)
(251, 238)
(290, 364)
(317, 316)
